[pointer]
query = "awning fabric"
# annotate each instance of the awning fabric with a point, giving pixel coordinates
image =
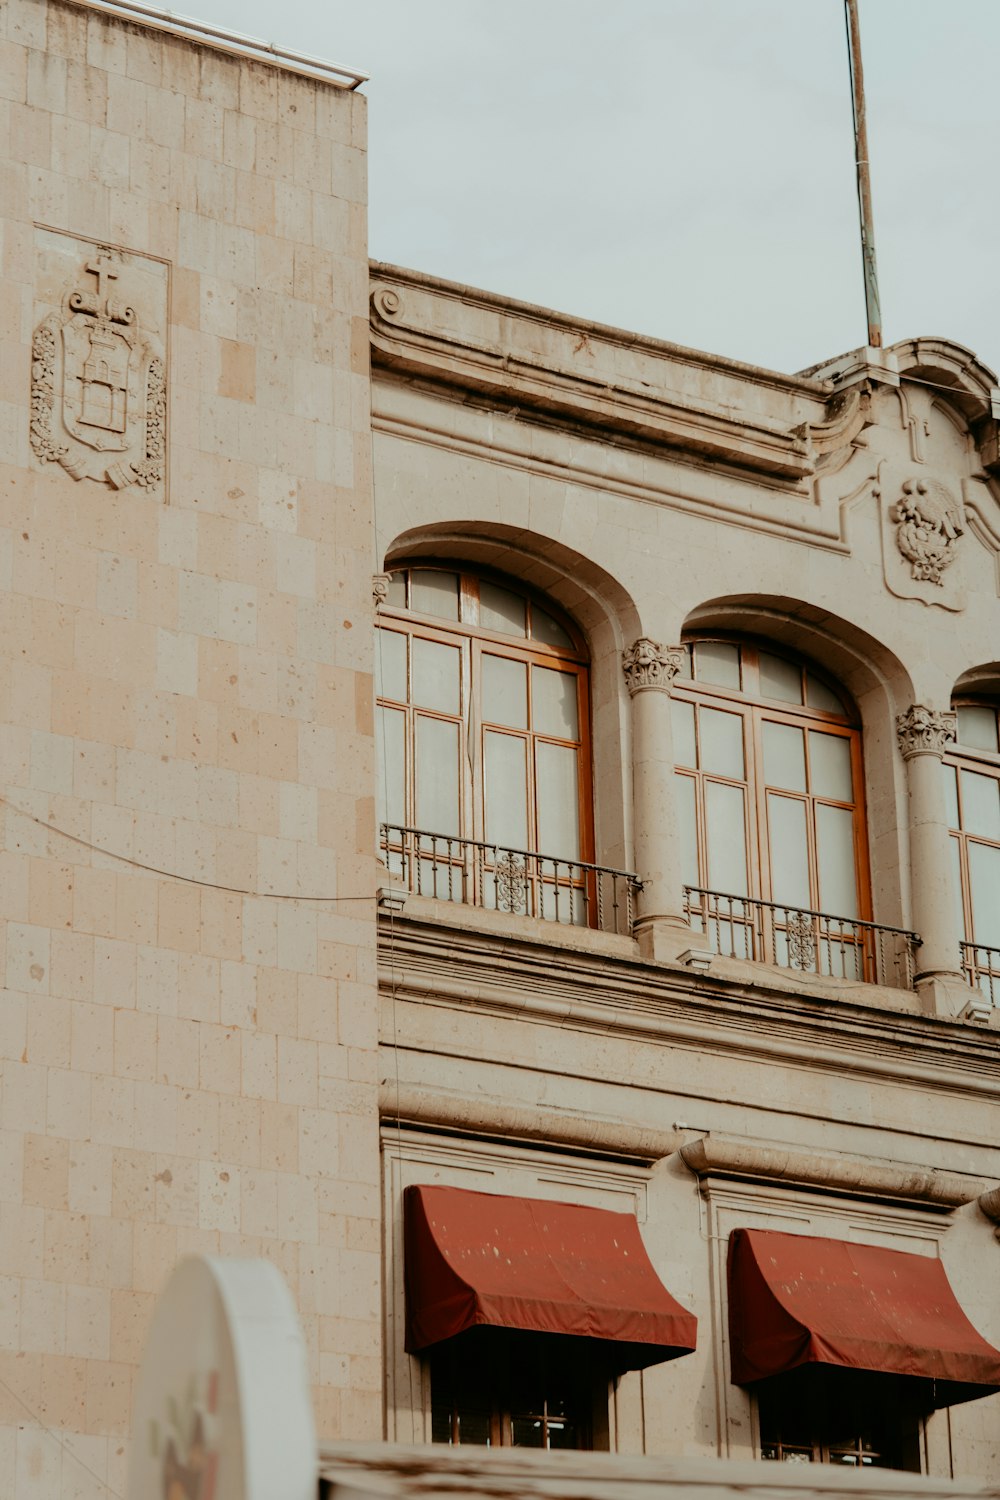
(797, 1300)
(523, 1263)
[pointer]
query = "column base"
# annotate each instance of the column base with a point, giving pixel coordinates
(946, 993)
(662, 939)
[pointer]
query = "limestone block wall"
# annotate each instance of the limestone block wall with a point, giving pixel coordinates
(187, 1025)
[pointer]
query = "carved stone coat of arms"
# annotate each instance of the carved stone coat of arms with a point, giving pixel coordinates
(98, 381)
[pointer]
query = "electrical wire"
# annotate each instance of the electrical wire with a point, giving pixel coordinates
(60, 1442)
(138, 864)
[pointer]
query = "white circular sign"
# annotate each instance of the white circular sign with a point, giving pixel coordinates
(222, 1405)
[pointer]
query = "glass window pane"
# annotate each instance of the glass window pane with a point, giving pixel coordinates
(505, 691)
(560, 901)
(547, 630)
(682, 725)
(784, 756)
(505, 775)
(718, 662)
(818, 695)
(727, 843)
(687, 829)
(977, 726)
(499, 609)
(789, 850)
(779, 678)
(721, 742)
(396, 595)
(951, 796)
(390, 789)
(554, 704)
(984, 882)
(557, 799)
(434, 593)
(838, 886)
(436, 774)
(956, 887)
(830, 766)
(436, 676)
(390, 665)
(981, 805)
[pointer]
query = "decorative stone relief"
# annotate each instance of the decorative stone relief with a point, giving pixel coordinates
(929, 522)
(647, 664)
(380, 588)
(925, 731)
(923, 520)
(98, 369)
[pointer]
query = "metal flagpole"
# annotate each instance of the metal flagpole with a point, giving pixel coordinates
(864, 176)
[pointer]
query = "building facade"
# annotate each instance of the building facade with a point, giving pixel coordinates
(451, 746)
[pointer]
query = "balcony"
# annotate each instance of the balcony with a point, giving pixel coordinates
(521, 882)
(981, 967)
(812, 942)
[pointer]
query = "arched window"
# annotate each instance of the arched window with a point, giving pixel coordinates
(771, 809)
(972, 788)
(484, 715)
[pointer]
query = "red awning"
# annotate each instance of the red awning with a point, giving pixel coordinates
(479, 1258)
(795, 1299)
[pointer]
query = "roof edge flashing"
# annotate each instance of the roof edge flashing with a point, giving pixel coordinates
(235, 43)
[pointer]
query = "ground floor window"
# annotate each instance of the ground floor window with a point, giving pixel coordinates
(507, 1388)
(820, 1414)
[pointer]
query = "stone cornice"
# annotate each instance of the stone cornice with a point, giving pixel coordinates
(668, 1007)
(728, 1156)
(411, 1104)
(429, 350)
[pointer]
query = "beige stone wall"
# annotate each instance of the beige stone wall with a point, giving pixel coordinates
(188, 1048)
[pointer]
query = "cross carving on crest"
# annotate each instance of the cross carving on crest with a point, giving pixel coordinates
(103, 269)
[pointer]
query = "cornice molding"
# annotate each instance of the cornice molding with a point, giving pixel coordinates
(495, 1118)
(629, 409)
(760, 1161)
(824, 1032)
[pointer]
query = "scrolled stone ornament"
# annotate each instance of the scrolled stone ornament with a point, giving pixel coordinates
(925, 731)
(386, 302)
(647, 664)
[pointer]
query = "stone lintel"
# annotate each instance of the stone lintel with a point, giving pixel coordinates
(730, 1156)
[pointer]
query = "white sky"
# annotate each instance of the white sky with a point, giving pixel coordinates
(683, 168)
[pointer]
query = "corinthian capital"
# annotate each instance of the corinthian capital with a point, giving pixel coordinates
(925, 731)
(647, 664)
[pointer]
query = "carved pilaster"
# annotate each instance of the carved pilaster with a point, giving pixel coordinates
(925, 731)
(647, 664)
(380, 588)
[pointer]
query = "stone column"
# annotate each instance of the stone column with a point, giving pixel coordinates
(924, 735)
(649, 671)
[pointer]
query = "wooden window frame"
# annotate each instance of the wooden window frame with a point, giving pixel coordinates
(755, 711)
(982, 763)
(473, 642)
(485, 1362)
(807, 1410)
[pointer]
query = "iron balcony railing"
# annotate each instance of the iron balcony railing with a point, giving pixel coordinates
(792, 937)
(520, 881)
(981, 964)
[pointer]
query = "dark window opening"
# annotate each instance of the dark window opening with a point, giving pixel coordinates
(507, 1388)
(818, 1414)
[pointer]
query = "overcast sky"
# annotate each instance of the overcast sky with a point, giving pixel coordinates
(680, 167)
